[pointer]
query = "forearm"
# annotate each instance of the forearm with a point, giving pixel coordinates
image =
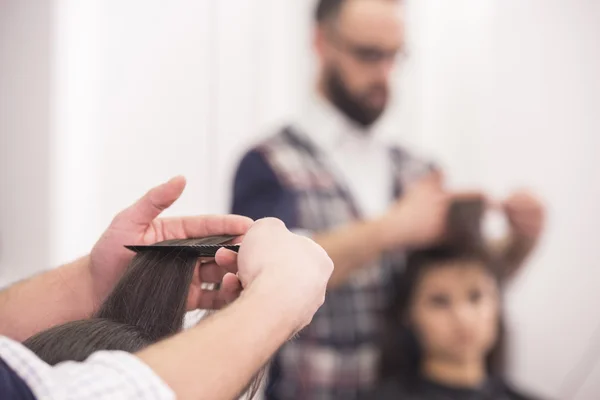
(217, 359)
(351, 247)
(54, 297)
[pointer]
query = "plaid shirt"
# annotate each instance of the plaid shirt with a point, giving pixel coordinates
(335, 357)
(105, 375)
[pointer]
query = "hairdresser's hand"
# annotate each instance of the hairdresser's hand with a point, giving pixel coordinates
(138, 224)
(418, 219)
(525, 214)
(291, 271)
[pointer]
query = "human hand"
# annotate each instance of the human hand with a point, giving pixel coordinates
(417, 219)
(292, 271)
(138, 225)
(525, 214)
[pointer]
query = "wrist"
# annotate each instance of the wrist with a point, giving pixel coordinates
(78, 285)
(87, 283)
(277, 303)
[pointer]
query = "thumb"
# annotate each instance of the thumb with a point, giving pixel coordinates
(155, 201)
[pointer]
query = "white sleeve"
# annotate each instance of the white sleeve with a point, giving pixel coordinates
(106, 375)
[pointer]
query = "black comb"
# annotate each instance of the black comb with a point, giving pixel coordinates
(205, 247)
(205, 250)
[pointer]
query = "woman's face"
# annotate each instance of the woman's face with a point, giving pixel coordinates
(455, 312)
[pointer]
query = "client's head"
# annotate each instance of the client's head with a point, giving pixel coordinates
(446, 310)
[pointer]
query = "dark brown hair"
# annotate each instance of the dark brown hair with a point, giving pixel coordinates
(327, 9)
(148, 304)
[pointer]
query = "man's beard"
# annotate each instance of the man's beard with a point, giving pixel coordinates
(353, 107)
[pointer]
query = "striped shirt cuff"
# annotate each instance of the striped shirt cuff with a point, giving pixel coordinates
(104, 375)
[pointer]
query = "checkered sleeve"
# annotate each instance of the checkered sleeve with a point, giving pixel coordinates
(105, 375)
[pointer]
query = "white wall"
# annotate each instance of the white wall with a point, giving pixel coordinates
(543, 131)
(145, 93)
(24, 138)
(503, 93)
(133, 87)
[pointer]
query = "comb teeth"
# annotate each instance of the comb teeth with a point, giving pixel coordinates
(198, 250)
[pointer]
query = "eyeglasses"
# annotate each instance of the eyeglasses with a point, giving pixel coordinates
(366, 54)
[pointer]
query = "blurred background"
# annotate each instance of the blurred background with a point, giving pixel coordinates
(101, 100)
